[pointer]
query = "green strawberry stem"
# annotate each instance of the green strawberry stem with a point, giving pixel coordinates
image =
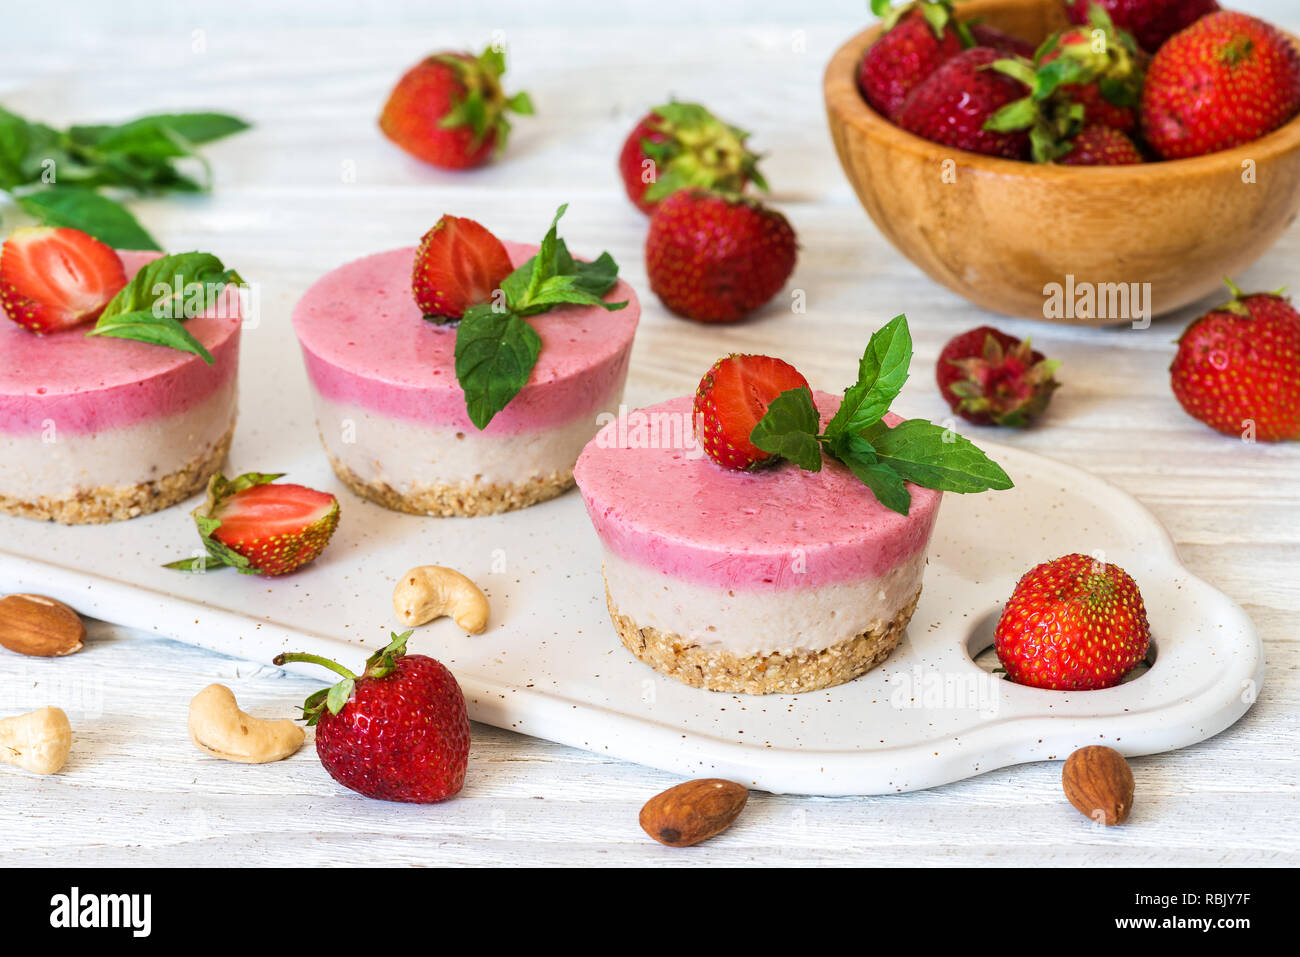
(285, 657)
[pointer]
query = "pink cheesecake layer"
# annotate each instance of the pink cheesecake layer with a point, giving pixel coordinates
(85, 384)
(365, 342)
(782, 528)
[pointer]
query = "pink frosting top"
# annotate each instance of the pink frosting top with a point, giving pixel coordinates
(365, 342)
(677, 511)
(84, 384)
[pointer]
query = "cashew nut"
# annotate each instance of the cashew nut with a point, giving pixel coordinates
(218, 727)
(38, 741)
(431, 591)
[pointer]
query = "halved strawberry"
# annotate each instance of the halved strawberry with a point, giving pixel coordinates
(731, 398)
(261, 528)
(459, 264)
(54, 278)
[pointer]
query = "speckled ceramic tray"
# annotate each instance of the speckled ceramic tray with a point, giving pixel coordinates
(551, 666)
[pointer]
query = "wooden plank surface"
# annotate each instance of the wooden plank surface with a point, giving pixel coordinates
(314, 185)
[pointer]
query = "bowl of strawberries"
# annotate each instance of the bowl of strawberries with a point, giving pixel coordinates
(1079, 161)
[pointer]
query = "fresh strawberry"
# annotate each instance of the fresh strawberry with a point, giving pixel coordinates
(917, 37)
(1073, 624)
(55, 278)
(1098, 68)
(733, 395)
(1238, 366)
(1101, 146)
(397, 732)
(990, 378)
(259, 527)
(1226, 80)
(458, 264)
(1151, 22)
(680, 145)
(955, 104)
(449, 109)
(716, 256)
(1004, 43)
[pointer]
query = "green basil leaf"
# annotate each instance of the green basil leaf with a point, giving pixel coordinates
(935, 457)
(152, 306)
(881, 374)
(495, 355)
(789, 429)
(88, 211)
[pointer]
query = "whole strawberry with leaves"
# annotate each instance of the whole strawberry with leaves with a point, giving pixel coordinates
(261, 527)
(450, 109)
(956, 105)
(1238, 367)
(915, 39)
(1080, 78)
(991, 378)
(399, 731)
(1226, 80)
(680, 145)
(1073, 624)
(714, 257)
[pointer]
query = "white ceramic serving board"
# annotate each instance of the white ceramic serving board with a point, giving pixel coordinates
(550, 665)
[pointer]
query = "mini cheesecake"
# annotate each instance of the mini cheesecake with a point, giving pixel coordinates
(776, 580)
(392, 416)
(96, 429)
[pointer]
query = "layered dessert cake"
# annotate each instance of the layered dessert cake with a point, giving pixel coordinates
(97, 429)
(393, 415)
(756, 582)
(765, 538)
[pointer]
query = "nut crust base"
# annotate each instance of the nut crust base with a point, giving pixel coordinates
(773, 673)
(116, 503)
(467, 500)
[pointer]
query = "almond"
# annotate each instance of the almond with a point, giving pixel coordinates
(694, 811)
(1099, 783)
(39, 626)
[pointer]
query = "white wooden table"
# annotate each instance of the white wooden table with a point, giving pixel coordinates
(314, 184)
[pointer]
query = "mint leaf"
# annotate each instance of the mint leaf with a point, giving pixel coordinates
(881, 374)
(496, 351)
(884, 482)
(789, 429)
(86, 210)
(935, 457)
(495, 354)
(152, 306)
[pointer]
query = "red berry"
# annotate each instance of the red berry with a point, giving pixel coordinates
(1004, 43)
(449, 109)
(715, 257)
(276, 528)
(988, 377)
(733, 395)
(1224, 81)
(400, 731)
(954, 104)
(1101, 146)
(907, 52)
(1238, 368)
(1073, 624)
(55, 278)
(458, 264)
(681, 145)
(1110, 77)
(1151, 22)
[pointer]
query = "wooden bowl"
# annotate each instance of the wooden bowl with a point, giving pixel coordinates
(1008, 235)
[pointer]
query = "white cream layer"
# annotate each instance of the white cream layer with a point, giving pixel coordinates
(407, 455)
(786, 621)
(60, 464)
